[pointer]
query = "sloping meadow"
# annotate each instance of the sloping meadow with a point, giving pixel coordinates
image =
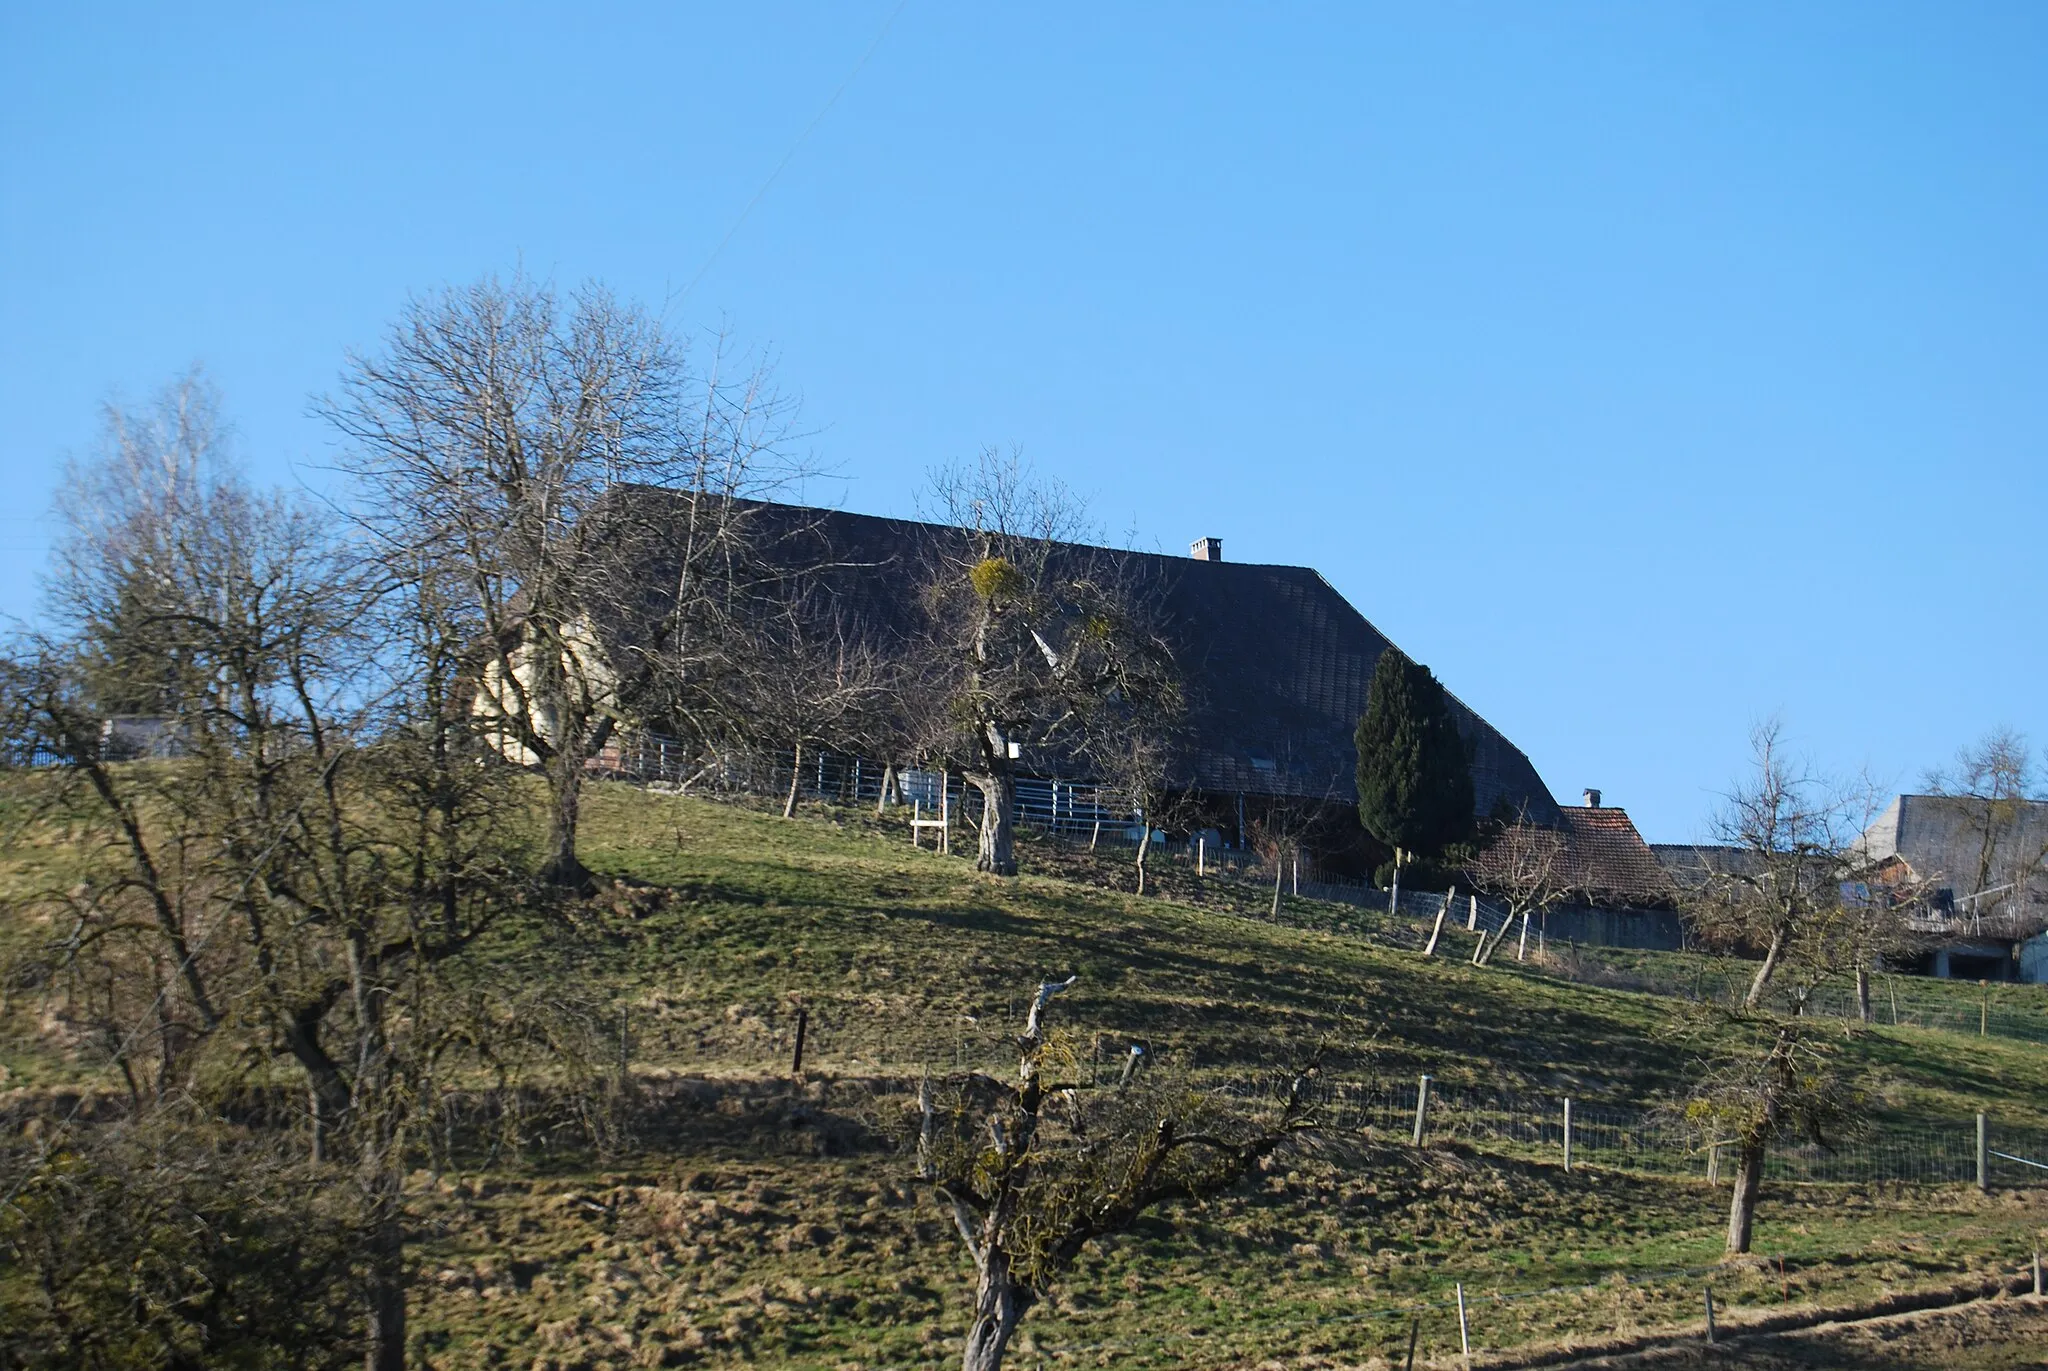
(745, 1208)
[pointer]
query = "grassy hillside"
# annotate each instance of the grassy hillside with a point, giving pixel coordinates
(724, 919)
(759, 1222)
(906, 957)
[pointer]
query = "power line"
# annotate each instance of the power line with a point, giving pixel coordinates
(801, 138)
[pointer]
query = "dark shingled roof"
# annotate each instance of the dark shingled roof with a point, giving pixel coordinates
(1691, 866)
(1277, 662)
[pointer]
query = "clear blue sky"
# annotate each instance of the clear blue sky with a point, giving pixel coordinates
(1644, 369)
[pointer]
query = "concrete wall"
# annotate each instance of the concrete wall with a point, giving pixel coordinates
(2034, 960)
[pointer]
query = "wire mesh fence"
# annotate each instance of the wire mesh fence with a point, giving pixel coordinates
(1558, 944)
(842, 1041)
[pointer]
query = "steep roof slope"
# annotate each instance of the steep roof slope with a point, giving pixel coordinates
(1277, 662)
(1606, 857)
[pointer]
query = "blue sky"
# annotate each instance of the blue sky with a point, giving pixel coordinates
(1644, 369)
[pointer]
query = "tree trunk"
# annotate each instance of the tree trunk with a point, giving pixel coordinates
(1488, 945)
(1749, 1178)
(998, 852)
(1764, 972)
(796, 771)
(1144, 848)
(1863, 994)
(384, 1292)
(998, 1304)
(1279, 866)
(565, 785)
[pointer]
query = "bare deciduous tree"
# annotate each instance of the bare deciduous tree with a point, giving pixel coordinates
(1796, 841)
(496, 437)
(1040, 649)
(1133, 763)
(1526, 866)
(1032, 1171)
(1996, 786)
(805, 680)
(300, 882)
(1777, 1080)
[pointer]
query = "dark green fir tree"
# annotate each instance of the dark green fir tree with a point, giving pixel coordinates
(1414, 777)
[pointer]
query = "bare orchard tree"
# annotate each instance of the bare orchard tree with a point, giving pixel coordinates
(1041, 650)
(1134, 768)
(499, 437)
(299, 886)
(1525, 866)
(807, 681)
(1796, 840)
(111, 588)
(1034, 1170)
(1281, 828)
(1767, 1079)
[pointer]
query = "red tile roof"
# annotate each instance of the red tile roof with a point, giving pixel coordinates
(1603, 860)
(1608, 860)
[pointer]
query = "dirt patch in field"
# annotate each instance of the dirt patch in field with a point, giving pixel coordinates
(1990, 1335)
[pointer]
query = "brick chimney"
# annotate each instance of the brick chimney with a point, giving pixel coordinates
(1206, 549)
(1592, 799)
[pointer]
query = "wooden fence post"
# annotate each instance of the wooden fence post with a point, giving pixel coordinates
(1983, 1153)
(1567, 1134)
(1435, 933)
(1414, 1332)
(2037, 1272)
(1201, 854)
(1472, 915)
(796, 1060)
(1394, 894)
(1710, 1314)
(1522, 948)
(1464, 1330)
(1421, 1107)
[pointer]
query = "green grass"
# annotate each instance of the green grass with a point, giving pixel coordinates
(906, 957)
(725, 1238)
(726, 919)
(744, 1257)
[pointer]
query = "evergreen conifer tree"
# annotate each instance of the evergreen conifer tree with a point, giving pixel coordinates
(1414, 777)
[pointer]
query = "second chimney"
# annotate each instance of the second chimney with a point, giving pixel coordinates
(1206, 549)
(1592, 799)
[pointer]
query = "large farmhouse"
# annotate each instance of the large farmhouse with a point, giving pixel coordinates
(1276, 661)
